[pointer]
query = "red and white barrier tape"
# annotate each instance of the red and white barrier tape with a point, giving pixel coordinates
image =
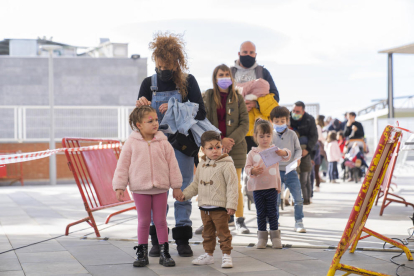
(29, 156)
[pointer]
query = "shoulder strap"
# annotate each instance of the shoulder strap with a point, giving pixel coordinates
(233, 71)
(259, 72)
(154, 87)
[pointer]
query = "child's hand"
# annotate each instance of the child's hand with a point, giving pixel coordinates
(120, 195)
(299, 162)
(281, 152)
(177, 194)
(181, 198)
(231, 212)
(257, 170)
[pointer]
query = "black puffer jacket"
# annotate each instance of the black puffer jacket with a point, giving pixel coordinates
(306, 126)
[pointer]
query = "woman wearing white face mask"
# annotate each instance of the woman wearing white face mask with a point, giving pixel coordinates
(227, 111)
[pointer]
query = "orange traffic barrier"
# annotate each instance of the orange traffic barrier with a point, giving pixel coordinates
(93, 172)
(374, 177)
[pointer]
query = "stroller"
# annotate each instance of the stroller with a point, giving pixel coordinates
(354, 164)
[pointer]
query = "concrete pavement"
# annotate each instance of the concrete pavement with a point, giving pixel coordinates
(33, 220)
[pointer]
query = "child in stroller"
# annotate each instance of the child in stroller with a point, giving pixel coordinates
(354, 163)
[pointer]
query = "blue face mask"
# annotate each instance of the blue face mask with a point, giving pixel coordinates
(280, 128)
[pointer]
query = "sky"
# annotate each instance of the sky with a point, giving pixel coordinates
(317, 51)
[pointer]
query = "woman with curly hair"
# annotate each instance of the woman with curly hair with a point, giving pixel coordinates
(172, 80)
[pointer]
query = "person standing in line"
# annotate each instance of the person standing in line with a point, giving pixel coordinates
(283, 137)
(215, 182)
(333, 155)
(318, 159)
(265, 184)
(246, 69)
(172, 81)
(304, 124)
(145, 152)
(227, 111)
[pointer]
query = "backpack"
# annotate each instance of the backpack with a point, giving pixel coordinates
(258, 71)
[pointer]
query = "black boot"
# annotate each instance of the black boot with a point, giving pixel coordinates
(155, 249)
(165, 257)
(142, 255)
(181, 235)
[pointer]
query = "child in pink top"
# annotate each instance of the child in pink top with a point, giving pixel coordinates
(148, 165)
(333, 155)
(265, 184)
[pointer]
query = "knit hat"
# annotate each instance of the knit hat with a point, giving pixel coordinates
(252, 90)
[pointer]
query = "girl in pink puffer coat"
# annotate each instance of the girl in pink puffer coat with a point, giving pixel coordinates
(148, 165)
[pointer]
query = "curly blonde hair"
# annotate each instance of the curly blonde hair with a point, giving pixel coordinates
(169, 48)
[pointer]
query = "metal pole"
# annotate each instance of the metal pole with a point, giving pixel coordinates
(390, 88)
(52, 158)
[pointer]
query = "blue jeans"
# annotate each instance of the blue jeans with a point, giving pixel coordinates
(291, 181)
(333, 170)
(183, 209)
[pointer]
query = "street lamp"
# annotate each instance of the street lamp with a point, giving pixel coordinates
(52, 158)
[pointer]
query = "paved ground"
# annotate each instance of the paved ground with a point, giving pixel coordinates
(33, 219)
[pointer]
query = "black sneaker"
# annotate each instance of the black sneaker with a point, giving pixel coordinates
(241, 226)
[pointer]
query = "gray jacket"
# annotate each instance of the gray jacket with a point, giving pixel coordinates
(288, 140)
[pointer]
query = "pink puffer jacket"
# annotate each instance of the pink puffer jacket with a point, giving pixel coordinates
(147, 165)
(252, 90)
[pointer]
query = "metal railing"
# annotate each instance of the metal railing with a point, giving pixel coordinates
(31, 123)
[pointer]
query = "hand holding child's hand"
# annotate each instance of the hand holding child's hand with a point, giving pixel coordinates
(281, 152)
(231, 212)
(181, 198)
(120, 195)
(257, 170)
(177, 193)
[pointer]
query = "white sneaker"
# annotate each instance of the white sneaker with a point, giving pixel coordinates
(316, 189)
(299, 227)
(227, 261)
(204, 259)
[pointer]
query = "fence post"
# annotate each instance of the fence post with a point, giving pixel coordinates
(20, 124)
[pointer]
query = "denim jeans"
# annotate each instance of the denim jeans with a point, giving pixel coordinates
(183, 209)
(291, 182)
(179, 116)
(333, 170)
(159, 98)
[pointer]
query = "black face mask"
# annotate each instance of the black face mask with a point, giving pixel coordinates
(247, 61)
(165, 75)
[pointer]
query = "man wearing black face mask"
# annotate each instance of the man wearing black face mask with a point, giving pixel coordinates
(246, 68)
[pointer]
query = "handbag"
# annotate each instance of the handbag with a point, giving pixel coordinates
(184, 144)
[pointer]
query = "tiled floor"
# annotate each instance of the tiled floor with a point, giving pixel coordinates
(30, 215)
